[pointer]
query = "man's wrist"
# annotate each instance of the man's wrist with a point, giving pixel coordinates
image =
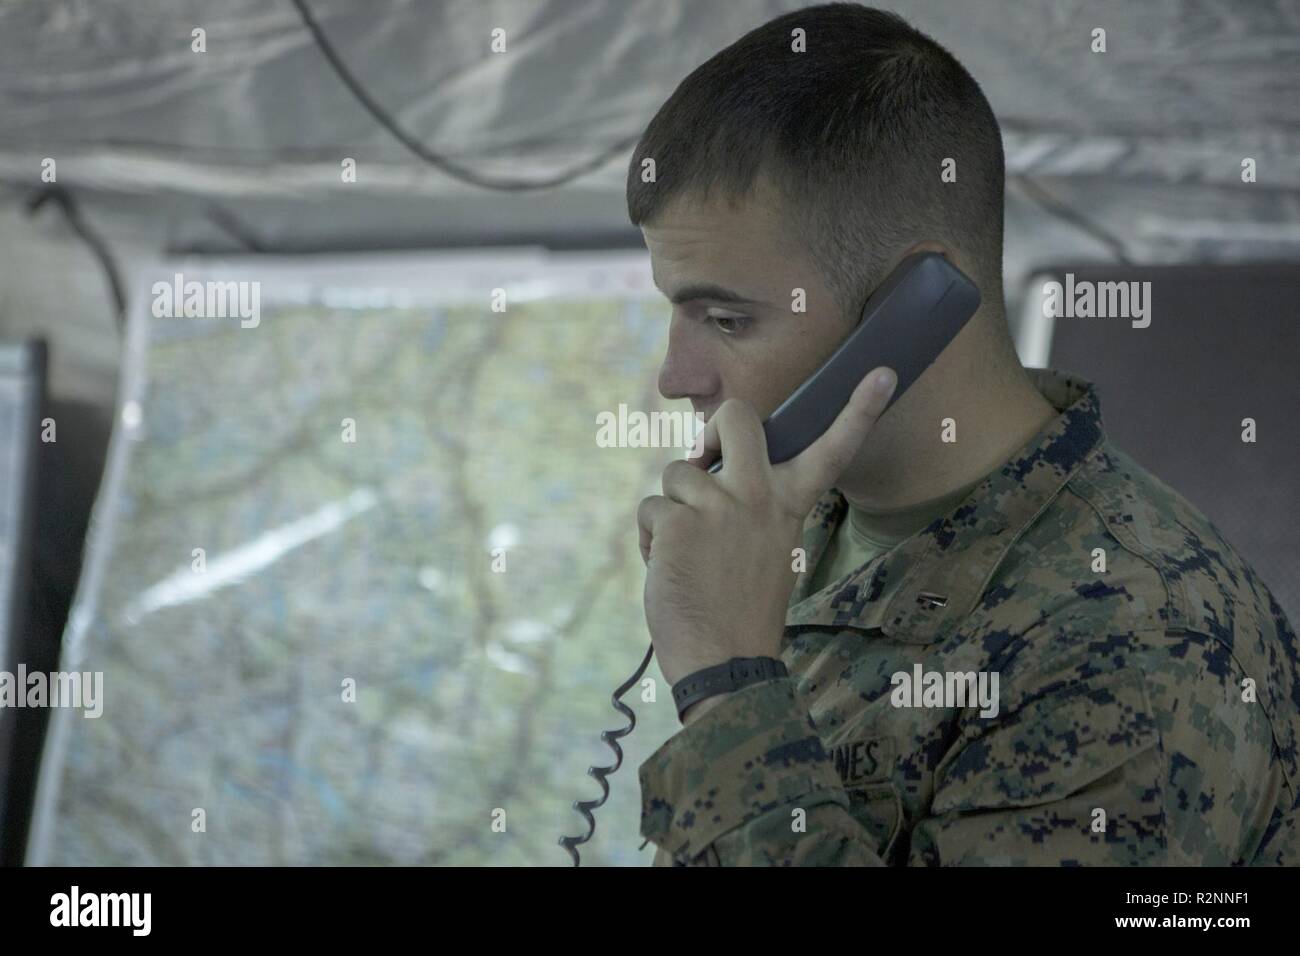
(722, 679)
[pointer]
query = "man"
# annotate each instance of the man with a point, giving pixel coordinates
(1003, 641)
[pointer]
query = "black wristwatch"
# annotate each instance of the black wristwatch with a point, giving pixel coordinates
(724, 678)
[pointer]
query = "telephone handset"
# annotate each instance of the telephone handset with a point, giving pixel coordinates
(906, 323)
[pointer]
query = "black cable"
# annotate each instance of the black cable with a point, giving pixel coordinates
(434, 159)
(611, 738)
(61, 198)
(1049, 203)
(232, 226)
(324, 152)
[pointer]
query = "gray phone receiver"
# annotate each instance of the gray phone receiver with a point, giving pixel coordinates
(908, 321)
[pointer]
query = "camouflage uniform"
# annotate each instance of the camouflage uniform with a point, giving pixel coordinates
(1128, 729)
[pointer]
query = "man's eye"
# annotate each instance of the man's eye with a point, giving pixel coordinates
(729, 324)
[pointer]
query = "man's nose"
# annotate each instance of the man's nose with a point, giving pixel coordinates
(685, 372)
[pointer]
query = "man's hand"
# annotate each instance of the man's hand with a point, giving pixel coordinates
(718, 548)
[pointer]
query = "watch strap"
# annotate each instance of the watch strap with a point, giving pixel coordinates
(724, 678)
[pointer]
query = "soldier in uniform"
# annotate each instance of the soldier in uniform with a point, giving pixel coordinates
(986, 634)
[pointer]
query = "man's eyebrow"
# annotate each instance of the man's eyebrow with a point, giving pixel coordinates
(709, 290)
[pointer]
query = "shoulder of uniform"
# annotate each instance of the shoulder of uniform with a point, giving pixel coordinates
(1215, 606)
(1207, 585)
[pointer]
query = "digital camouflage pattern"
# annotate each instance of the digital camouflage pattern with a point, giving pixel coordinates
(1126, 693)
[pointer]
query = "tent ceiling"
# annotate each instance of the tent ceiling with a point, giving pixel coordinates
(1147, 137)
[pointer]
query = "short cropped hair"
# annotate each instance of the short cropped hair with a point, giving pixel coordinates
(854, 133)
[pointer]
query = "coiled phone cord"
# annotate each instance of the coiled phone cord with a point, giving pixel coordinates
(610, 737)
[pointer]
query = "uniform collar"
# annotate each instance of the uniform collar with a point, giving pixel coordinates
(923, 588)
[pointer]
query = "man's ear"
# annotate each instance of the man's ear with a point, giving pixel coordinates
(925, 245)
(928, 245)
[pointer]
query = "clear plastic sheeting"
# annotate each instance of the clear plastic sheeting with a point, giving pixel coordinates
(351, 599)
(1183, 92)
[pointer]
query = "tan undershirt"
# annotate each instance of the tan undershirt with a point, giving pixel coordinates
(864, 535)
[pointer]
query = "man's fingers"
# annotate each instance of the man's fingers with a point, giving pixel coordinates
(648, 513)
(821, 464)
(687, 484)
(736, 433)
(707, 446)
